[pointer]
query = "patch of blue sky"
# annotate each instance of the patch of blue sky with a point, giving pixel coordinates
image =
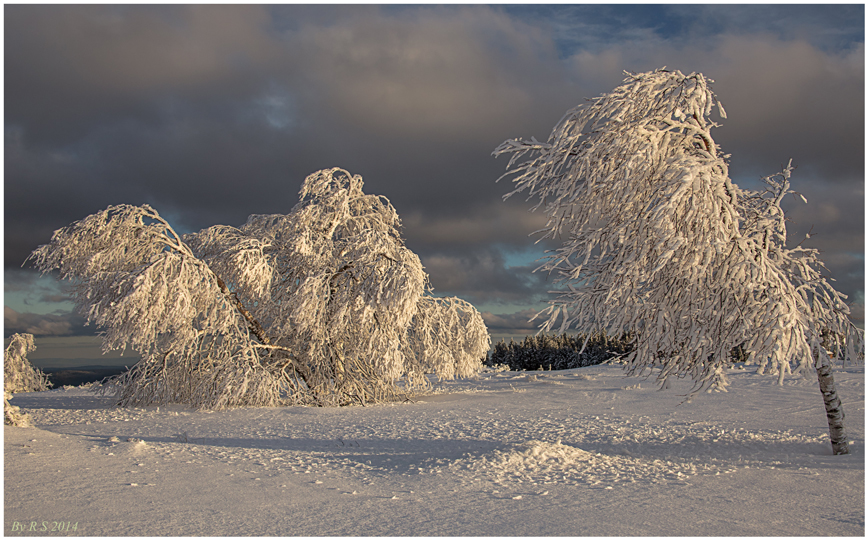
(593, 27)
(275, 107)
(175, 217)
(859, 272)
(524, 257)
(42, 296)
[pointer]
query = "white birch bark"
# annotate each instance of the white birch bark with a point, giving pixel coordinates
(834, 410)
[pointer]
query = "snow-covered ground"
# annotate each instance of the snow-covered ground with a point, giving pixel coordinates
(568, 453)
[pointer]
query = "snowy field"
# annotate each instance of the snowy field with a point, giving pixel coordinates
(568, 453)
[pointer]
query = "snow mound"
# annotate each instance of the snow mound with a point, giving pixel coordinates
(541, 456)
(540, 462)
(125, 446)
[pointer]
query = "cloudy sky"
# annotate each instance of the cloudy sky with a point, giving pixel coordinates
(212, 113)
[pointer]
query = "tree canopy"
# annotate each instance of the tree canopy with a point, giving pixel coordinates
(323, 305)
(658, 240)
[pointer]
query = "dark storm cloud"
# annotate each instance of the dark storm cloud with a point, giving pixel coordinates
(493, 222)
(512, 323)
(47, 325)
(164, 106)
(106, 105)
(78, 68)
(791, 100)
(783, 98)
(211, 113)
(482, 277)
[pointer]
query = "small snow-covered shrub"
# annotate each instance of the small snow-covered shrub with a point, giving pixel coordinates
(12, 415)
(558, 352)
(19, 374)
(494, 367)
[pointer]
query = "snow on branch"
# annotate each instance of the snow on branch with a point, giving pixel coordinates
(19, 375)
(449, 337)
(658, 241)
(315, 306)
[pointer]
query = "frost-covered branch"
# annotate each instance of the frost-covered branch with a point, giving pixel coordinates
(19, 375)
(313, 306)
(447, 337)
(136, 278)
(658, 240)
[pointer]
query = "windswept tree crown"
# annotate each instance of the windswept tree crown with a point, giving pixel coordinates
(658, 240)
(322, 305)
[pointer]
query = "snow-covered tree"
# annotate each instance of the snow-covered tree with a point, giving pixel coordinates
(323, 305)
(659, 241)
(19, 375)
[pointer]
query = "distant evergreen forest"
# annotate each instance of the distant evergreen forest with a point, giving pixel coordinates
(558, 351)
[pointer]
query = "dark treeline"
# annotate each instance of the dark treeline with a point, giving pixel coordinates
(558, 352)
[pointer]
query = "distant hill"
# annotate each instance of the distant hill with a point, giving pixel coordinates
(80, 375)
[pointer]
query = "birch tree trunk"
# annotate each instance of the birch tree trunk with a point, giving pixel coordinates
(834, 410)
